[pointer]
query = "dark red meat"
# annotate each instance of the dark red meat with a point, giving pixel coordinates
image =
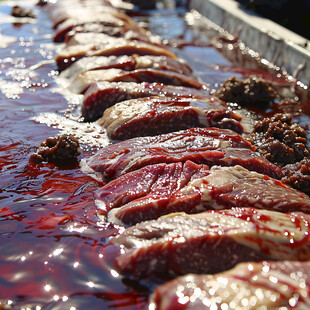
(134, 197)
(211, 146)
(158, 115)
(251, 286)
(85, 79)
(103, 18)
(102, 95)
(125, 62)
(60, 15)
(211, 242)
(153, 186)
(71, 54)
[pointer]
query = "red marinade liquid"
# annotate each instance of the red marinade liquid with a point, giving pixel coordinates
(52, 248)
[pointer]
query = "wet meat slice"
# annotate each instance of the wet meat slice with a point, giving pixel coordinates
(155, 115)
(211, 242)
(60, 15)
(83, 38)
(99, 28)
(83, 81)
(102, 95)
(103, 18)
(71, 54)
(127, 200)
(251, 286)
(93, 38)
(157, 181)
(211, 146)
(58, 6)
(128, 63)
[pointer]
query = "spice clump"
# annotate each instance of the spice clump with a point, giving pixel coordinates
(280, 140)
(252, 92)
(61, 148)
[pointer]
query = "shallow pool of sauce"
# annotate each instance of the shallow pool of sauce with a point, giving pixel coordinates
(52, 247)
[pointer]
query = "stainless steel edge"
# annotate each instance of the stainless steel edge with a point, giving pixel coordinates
(275, 43)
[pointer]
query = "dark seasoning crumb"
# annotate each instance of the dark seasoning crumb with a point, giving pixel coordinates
(18, 11)
(278, 138)
(59, 149)
(298, 175)
(251, 92)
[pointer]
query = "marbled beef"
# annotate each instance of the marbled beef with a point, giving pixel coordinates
(128, 63)
(135, 196)
(106, 19)
(61, 14)
(251, 286)
(84, 37)
(81, 83)
(102, 95)
(211, 146)
(211, 242)
(71, 54)
(157, 115)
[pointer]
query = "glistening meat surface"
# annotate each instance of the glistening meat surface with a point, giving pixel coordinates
(156, 190)
(107, 19)
(128, 63)
(73, 12)
(251, 286)
(82, 82)
(83, 38)
(211, 146)
(102, 95)
(71, 54)
(156, 115)
(211, 242)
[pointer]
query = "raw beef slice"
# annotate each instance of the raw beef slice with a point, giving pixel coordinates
(156, 190)
(128, 63)
(103, 18)
(211, 242)
(71, 54)
(82, 82)
(157, 115)
(102, 95)
(211, 146)
(250, 286)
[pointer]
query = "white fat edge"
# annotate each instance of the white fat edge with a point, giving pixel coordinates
(82, 65)
(127, 110)
(111, 218)
(266, 275)
(85, 168)
(83, 38)
(120, 4)
(197, 185)
(68, 75)
(84, 79)
(236, 172)
(281, 224)
(80, 82)
(144, 62)
(101, 205)
(219, 176)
